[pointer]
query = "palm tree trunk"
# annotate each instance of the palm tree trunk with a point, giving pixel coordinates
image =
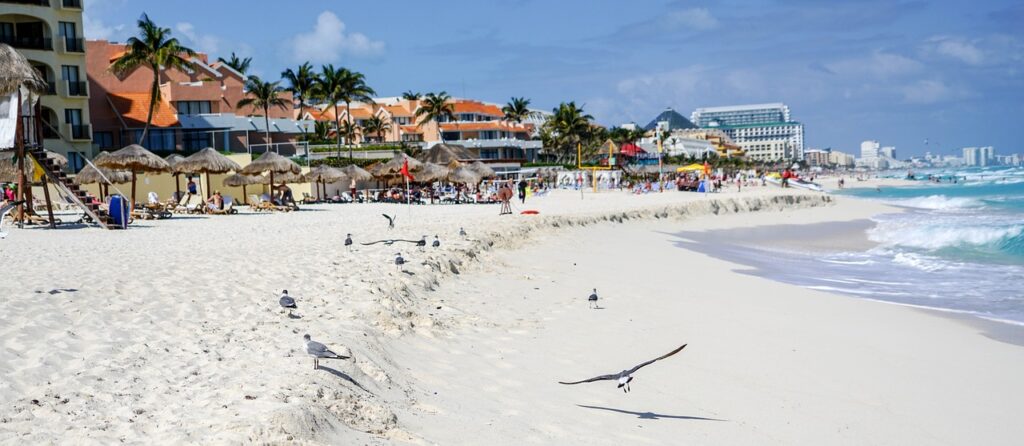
(152, 102)
(266, 119)
(348, 107)
(337, 127)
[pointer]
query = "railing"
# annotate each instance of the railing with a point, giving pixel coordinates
(79, 132)
(77, 4)
(74, 45)
(77, 88)
(29, 43)
(28, 2)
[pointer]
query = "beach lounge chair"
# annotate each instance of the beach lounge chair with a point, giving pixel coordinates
(6, 209)
(190, 204)
(229, 207)
(307, 199)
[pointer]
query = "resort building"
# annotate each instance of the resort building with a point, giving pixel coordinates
(840, 159)
(817, 157)
(49, 34)
(197, 108)
(764, 131)
(477, 125)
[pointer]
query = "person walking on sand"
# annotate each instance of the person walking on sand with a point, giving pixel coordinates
(522, 190)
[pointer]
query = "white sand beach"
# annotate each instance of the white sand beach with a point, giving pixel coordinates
(170, 333)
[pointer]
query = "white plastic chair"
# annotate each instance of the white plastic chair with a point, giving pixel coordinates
(3, 216)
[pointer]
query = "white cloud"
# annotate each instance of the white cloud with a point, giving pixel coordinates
(694, 18)
(96, 29)
(878, 64)
(956, 48)
(927, 92)
(206, 43)
(327, 41)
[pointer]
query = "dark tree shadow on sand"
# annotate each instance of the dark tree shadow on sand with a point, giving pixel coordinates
(650, 415)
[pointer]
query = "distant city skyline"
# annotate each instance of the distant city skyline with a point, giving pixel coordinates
(902, 72)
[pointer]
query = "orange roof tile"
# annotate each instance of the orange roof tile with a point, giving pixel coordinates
(398, 110)
(133, 108)
(464, 106)
(361, 113)
(411, 129)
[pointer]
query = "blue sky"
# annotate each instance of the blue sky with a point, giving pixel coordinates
(897, 71)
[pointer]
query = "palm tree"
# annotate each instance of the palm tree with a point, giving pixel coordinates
(321, 131)
(156, 49)
(411, 96)
(568, 126)
(376, 126)
(301, 84)
(436, 107)
(263, 95)
(349, 131)
(517, 110)
(344, 85)
(240, 65)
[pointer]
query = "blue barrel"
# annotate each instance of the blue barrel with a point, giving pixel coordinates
(119, 211)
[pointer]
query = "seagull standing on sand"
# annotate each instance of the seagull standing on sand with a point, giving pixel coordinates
(391, 221)
(287, 302)
(625, 376)
(593, 299)
(399, 260)
(422, 243)
(437, 243)
(348, 241)
(319, 351)
(462, 232)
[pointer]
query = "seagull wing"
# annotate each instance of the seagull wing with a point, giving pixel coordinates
(596, 378)
(321, 351)
(634, 369)
(287, 302)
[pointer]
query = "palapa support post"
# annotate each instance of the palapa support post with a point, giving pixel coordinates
(19, 142)
(49, 205)
(131, 208)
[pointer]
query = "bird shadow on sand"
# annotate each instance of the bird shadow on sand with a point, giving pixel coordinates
(408, 272)
(345, 377)
(650, 415)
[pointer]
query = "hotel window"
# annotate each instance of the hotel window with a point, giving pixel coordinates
(193, 107)
(196, 141)
(156, 139)
(452, 136)
(6, 32)
(103, 140)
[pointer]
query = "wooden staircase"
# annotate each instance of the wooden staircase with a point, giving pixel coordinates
(56, 176)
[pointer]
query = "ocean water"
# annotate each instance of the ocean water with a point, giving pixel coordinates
(958, 247)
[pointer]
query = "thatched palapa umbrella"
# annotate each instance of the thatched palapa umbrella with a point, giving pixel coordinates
(446, 153)
(323, 174)
(91, 175)
(483, 170)
(173, 159)
(208, 161)
(133, 158)
(274, 164)
(15, 72)
(237, 180)
(354, 172)
(460, 173)
(430, 172)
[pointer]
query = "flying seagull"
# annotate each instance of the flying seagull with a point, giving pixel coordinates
(319, 351)
(391, 220)
(437, 243)
(348, 241)
(625, 376)
(593, 299)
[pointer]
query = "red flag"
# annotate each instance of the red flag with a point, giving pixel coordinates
(405, 170)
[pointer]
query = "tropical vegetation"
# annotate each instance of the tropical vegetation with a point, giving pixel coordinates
(153, 47)
(517, 110)
(435, 107)
(236, 63)
(263, 95)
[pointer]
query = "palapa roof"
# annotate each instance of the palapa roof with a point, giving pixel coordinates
(285, 177)
(207, 160)
(324, 173)
(446, 153)
(90, 175)
(483, 170)
(173, 159)
(463, 174)
(133, 158)
(395, 164)
(431, 172)
(271, 162)
(355, 172)
(237, 180)
(15, 71)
